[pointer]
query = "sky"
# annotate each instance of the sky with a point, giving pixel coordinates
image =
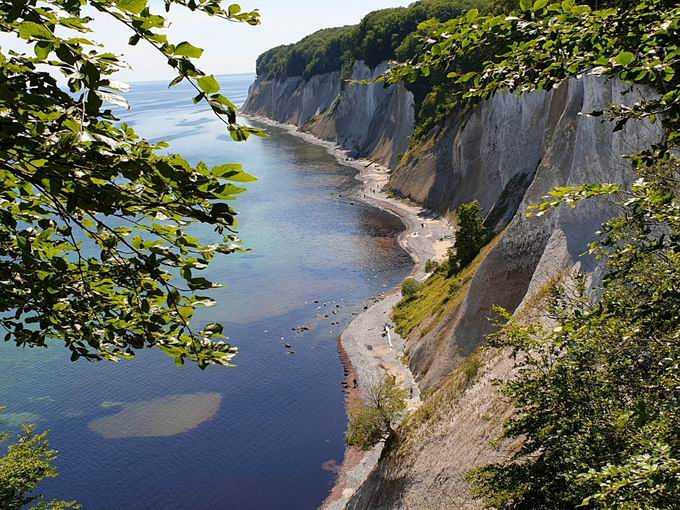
(229, 47)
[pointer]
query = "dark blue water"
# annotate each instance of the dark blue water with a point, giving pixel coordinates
(251, 437)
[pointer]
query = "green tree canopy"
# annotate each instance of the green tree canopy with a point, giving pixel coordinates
(27, 462)
(380, 36)
(94, 243)
(471, 236)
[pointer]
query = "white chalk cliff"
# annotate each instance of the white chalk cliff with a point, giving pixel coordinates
(371, 121)
(507, 153)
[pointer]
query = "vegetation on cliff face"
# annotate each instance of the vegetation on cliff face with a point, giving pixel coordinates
(438, 295)
(93, 225)
(410, 288)
(374, 421)
(471, 236)
(424, 303)
(597, 391)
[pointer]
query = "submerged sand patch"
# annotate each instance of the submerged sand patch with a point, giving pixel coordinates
(16, 420)
(163, 417)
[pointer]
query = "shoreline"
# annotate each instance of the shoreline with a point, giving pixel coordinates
(364, 353)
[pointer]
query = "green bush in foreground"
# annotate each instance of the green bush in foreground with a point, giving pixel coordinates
(374, 422)
(597, 397)
(431, 266)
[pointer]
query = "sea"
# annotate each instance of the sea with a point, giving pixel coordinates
(269, 432)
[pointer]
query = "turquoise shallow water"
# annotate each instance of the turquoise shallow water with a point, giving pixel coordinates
(146, 434)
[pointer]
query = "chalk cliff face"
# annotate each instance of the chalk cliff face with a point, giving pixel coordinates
(511, 152)
(508, 153)
(371, 121)
(292, 100)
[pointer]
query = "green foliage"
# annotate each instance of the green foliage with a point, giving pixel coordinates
(649, 480)
(433, 109)
(366, 429)
(318, 53)
(597, 392)
(380, 36)
(27, 462)
(427, 393)
(374, 422)
(454, 286)
(433, 297)
(410, 288)
(571, 195)
(471, 367)
(471, 236)
(94, 221)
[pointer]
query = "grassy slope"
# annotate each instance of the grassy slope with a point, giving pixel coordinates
(438, 296)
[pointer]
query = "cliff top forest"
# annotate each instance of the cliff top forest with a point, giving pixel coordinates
(380, 36)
